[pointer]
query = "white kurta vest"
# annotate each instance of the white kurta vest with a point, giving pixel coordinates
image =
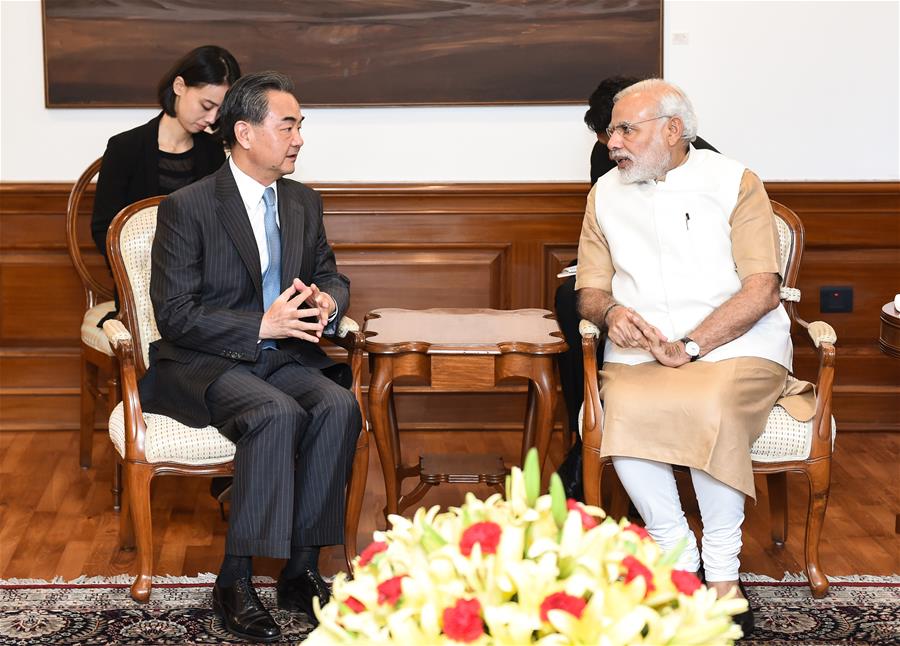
(670, 244)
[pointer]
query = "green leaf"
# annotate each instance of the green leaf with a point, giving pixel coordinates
(508, 487)
(558, 500)
(431, 540)
(532, 477)
(671, 557)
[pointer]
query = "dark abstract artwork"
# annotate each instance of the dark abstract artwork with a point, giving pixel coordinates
(363, 52)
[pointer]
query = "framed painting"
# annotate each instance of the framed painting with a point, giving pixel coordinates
(356, 52)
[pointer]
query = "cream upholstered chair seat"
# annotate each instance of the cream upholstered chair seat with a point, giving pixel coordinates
(169, 441)
(784, 439)
(151, 445)
(93, 336)
(786, 445)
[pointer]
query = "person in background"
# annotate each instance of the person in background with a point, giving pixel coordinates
(571, 363)
(175, 147)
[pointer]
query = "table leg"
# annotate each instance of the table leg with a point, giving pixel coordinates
(394, 428)
(380, 388)
(545, 396)
(529, 432)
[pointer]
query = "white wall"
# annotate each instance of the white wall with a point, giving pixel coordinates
(796, 90)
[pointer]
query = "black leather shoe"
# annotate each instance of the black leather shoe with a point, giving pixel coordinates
(296, 594)
(745, 619)
(242, 612)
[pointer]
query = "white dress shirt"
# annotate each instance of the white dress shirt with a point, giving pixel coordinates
(252, 196)
(251, 193)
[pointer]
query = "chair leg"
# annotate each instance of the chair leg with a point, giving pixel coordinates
(777, 486)
(137, 488)
(126, 524)
(356, 490)
(117, 485)
(113, 397)
(88, 405)
(819, 475)
(591, 473)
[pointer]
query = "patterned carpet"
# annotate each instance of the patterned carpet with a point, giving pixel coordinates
(179, 613)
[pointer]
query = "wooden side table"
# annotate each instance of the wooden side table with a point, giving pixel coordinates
(889, 336)
(462, 349)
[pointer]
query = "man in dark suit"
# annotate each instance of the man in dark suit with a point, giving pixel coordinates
(243, 284)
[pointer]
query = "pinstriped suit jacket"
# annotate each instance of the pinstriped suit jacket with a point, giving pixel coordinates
(206, 288)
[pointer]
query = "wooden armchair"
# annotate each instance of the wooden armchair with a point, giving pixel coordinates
(96, 355)
(786, 445)
(151, 444)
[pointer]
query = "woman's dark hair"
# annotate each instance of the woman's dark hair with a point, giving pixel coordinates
(207, 65)
(599, 113)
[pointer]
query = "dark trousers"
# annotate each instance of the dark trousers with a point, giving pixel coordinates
(297, 432)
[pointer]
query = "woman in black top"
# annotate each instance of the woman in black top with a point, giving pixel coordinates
(174, 148)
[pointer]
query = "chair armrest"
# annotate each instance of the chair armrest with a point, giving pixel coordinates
(121, 341)
(819, 332)
(586, 328)
(593, 409)
(823, 337)
(117, 334)
(352, 339)
(348, 335)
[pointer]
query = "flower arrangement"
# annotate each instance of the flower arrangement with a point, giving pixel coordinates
(521, 570)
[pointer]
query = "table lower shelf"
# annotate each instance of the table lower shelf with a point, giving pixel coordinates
(454, 468)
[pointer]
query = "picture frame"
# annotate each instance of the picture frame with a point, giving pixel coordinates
(356, 53)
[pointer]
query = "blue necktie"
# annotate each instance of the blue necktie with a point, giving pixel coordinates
(271, 282)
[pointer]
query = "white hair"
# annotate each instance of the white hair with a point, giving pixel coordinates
(673, 102)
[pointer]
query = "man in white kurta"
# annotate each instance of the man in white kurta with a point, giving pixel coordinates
(679, 260)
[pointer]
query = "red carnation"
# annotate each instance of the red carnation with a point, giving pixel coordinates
(485, 534)
(371, 550)
(562, 601)
(686, 582)
(637, 529)
(587, 521)
(389, 591)
(354, 604)
(634, 569)
(462, 622)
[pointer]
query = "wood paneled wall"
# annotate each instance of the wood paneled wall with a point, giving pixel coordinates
(462, 245)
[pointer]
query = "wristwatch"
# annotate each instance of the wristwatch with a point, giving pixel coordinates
(691, 348)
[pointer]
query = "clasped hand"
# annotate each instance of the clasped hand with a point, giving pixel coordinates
(285, 317)
(628, 329)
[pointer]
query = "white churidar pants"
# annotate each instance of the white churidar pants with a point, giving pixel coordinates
(651, 486)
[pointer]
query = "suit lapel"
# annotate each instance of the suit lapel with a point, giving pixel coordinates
(293, 219)
(231, 212)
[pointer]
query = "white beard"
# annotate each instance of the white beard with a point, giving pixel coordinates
(653, 164)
